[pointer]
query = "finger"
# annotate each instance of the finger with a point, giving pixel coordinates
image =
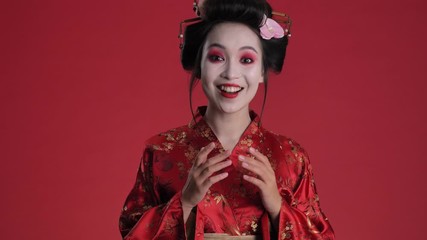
(255, 181)
(261, 158)
(207, 164)
(214, 179)
(218, 158)
(203, 153)
(264, 171)
(251, 161)
(258, 155)
(256, 168)
(209, 170)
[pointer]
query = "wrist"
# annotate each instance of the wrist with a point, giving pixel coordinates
(186, 205)
(274, 215)
(275, 211)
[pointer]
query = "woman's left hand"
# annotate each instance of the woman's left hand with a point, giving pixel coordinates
(265, 181)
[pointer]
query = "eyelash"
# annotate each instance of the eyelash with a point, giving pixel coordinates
(216, 58)
(244, 60)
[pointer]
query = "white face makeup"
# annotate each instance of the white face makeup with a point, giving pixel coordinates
(231, 67)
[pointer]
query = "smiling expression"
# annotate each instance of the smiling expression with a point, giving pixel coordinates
(231, 67)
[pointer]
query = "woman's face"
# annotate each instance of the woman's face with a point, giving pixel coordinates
(231, 67)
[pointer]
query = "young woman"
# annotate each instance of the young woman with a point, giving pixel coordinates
(224, 176)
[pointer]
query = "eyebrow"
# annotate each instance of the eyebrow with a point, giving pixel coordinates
(242, 48)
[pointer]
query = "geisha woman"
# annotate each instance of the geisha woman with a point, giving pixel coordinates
(224, 176)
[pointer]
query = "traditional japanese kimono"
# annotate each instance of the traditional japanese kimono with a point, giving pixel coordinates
(232, 206)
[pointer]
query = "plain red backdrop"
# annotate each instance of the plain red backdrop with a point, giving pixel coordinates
(84, 83)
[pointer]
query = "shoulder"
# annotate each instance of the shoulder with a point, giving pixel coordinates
(285, 143)
(291, 161)
(165, 141)
(288, 150)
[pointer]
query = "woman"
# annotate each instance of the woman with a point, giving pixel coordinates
(224, 176)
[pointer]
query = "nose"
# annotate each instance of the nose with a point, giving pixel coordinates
(231, 70)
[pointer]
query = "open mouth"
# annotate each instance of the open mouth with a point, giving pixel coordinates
(227, 88)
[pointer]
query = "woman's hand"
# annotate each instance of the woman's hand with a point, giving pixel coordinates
(265, 181)
(200, 177)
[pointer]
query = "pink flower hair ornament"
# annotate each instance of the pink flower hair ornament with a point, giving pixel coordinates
(271, 29)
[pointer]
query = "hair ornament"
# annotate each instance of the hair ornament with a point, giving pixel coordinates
(181, 24)
(271, 29)
(198, 8)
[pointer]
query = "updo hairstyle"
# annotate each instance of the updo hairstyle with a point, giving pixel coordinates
(248, 12)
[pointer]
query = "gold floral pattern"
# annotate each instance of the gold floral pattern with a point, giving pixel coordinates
(233, 206)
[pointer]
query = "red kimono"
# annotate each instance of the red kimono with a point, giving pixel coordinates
(233, 206)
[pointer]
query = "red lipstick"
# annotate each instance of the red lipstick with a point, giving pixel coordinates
(229, 90)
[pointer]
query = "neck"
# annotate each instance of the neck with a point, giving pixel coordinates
(228, 127)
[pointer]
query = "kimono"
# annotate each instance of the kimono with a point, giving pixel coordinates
(233, 206)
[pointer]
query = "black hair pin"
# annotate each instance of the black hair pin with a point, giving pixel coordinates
(181, 34)
(285, 19)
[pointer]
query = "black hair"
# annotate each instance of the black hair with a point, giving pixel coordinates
(247, 12)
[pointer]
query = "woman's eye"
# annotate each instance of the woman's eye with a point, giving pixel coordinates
(215, 58)
(246, 60)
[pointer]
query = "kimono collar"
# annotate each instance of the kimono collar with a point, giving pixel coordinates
(200, 125)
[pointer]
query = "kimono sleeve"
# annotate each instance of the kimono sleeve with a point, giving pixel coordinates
(143, 215)
(300, 215)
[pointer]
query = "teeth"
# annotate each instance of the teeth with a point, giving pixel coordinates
(230, 89)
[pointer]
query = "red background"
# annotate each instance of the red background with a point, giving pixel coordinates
(84, 83)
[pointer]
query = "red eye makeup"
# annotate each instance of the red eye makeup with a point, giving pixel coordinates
(248, 58)
(214, 55)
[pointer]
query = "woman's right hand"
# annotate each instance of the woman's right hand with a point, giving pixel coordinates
(200, 177)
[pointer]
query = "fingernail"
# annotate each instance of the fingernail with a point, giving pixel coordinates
(245, 164)
(252, 150)
(241, 158)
